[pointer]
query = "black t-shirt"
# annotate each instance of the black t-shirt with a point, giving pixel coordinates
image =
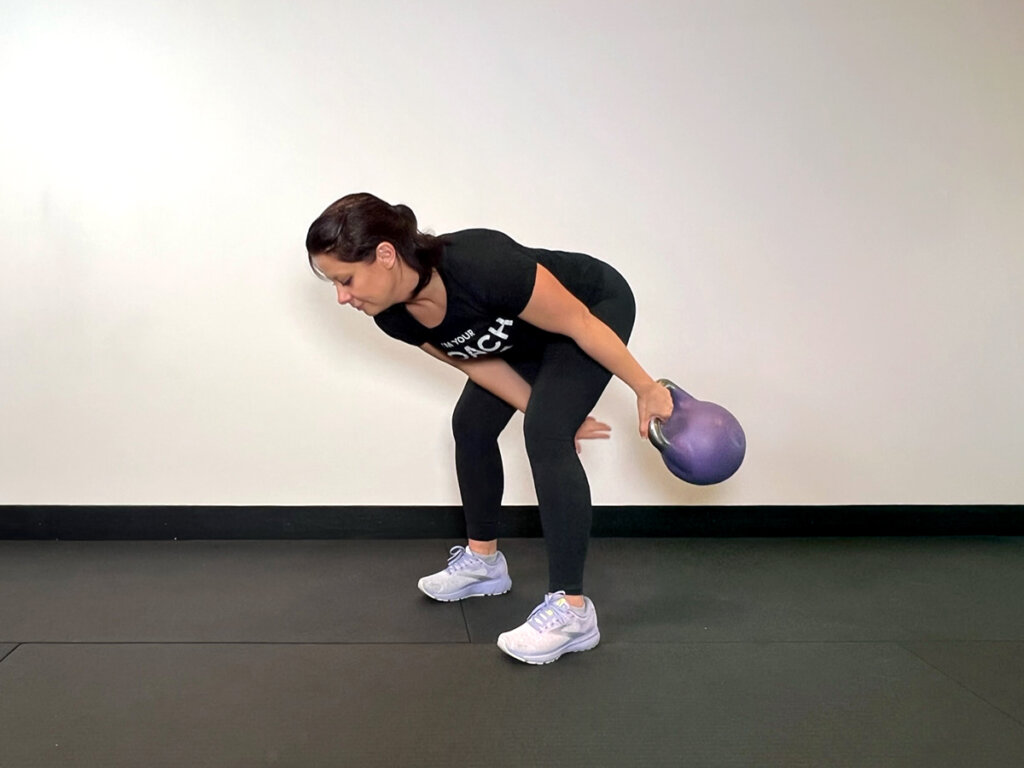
(489, 279)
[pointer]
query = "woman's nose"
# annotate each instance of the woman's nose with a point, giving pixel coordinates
(344, 297)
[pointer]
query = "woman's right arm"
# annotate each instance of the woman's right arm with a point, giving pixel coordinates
(493, 374)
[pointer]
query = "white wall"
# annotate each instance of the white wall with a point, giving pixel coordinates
(820, 206)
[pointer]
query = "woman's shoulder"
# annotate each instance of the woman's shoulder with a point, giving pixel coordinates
(478, 238)
(470, 250)
(486, 267)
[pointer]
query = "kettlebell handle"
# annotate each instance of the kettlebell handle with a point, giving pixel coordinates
(654, 430)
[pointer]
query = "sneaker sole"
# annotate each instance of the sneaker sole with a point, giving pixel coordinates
(582, 644)
(459, 596)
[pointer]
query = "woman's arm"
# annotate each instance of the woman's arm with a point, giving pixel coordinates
(500, 379)
(553, 308)
(493, 374)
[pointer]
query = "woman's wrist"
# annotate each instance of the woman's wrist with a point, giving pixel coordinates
(640, 381)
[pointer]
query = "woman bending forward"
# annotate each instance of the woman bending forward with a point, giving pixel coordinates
(534, 330)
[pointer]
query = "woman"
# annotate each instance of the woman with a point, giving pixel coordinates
(533, 330)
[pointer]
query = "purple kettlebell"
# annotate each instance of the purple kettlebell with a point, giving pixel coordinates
(701, 442)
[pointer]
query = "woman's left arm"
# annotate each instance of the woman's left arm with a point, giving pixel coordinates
(553, 308)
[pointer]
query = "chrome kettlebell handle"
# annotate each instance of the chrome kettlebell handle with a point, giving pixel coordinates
(654, 430)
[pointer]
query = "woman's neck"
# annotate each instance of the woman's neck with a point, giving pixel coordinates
(431, 303)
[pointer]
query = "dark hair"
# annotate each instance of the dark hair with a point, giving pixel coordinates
(351, 229)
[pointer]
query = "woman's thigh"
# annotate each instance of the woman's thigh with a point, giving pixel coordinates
(566, 382)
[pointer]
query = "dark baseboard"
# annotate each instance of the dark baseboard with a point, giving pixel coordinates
(446, 522)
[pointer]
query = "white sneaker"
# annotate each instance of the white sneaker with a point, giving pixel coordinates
(467, 575)
(553, 628)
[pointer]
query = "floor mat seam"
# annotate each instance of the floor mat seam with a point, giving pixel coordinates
(961, 685)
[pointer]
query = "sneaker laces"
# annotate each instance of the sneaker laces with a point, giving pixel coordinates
(553, 612)
(461, 557)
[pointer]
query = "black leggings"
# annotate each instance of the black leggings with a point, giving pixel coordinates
(566, 384)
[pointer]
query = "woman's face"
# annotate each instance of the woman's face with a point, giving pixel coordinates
(369, 287)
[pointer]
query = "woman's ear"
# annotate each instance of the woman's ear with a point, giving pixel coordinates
(386, 254)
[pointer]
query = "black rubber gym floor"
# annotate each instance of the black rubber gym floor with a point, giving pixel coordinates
(715, 652)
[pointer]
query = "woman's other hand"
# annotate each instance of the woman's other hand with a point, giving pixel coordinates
(592, 429)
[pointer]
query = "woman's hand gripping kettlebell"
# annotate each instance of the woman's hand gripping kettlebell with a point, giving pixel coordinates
(653, 402)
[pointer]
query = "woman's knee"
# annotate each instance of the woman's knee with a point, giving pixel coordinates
(479, 417)
(546, 432)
